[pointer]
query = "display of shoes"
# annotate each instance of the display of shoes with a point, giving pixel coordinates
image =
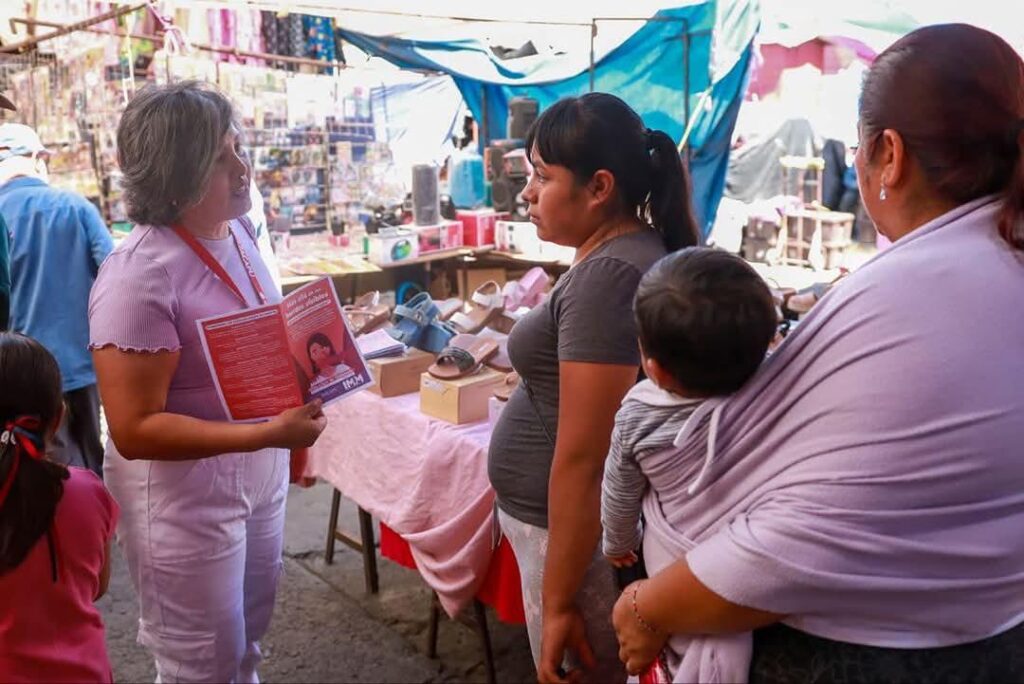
(464, 355)
(528, 291)
(416, 324)
(486, 304)
(366, 314)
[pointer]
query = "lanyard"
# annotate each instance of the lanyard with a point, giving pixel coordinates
(218, 270)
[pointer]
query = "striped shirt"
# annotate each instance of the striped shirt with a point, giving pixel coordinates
(646, 424)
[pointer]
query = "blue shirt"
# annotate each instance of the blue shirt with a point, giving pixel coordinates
(58, 241)
(5, 275)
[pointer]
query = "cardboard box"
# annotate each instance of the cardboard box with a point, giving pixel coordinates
(516, 237)
(479, 225)
(476, 277)
(398, 375)
(443, 236)
(392, 245)
(561, 253)
(464, 400)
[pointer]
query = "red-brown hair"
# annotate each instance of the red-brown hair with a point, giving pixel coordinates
(955, 93)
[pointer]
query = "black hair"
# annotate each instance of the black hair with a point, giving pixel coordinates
(707, 318)
(599, 131)
(324, 341)
(31, 384)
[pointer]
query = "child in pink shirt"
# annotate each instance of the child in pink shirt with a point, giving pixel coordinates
(55, 528)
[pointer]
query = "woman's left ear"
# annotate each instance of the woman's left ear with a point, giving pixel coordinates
(602, 186)
(894, 168)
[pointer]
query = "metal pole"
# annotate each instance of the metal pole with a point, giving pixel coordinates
(485, 129)
(71, 28)
(689, 128)
(686, 85)
(593, 37)
(330, 8)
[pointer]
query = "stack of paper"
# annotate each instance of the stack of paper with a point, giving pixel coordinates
(379, 344)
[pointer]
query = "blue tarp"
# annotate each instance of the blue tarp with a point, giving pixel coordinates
(418, 119)
(663, 71)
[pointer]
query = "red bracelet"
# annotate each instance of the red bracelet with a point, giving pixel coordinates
(636, 613)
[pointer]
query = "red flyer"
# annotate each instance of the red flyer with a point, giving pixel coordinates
(270, 358)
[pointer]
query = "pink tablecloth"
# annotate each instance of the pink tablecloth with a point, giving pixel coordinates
(423, 478)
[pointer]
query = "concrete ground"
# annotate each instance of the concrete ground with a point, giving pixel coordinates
(327, 629)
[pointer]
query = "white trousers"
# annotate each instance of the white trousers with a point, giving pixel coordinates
(596, 598)
(203, 541)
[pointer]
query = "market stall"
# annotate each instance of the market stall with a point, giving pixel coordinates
(332, 146)
(427, 483)
(364, 176)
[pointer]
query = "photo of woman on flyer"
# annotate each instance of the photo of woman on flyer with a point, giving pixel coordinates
(328, 366)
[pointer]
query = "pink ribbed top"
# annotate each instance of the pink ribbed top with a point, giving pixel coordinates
(149, 294)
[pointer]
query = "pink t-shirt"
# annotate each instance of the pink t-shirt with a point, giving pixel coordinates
(52, 632)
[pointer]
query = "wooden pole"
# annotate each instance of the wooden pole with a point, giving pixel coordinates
(24, 45)
(199, 46)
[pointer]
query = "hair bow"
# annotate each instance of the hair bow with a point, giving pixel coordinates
(23, 434)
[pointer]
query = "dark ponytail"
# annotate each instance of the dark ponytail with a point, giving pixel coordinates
(669, 206)
(31, 384)
(599, 131)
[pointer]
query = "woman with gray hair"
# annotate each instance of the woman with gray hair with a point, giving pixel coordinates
(202, 499)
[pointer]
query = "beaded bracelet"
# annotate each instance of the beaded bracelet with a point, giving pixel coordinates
(636, 613)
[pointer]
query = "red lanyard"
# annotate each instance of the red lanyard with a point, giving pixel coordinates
(218, 270)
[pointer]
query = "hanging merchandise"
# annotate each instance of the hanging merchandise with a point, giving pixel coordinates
(127, 63)
(219, 34)
(295, 33)
(292, 172)
(169, 67)
(319, 144)
(319, 38)
(248, 33)
(269, 28)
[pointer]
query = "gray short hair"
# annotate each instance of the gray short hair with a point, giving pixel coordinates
(168, 141)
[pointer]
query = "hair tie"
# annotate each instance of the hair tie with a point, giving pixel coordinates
(648, 139)
(23, 434)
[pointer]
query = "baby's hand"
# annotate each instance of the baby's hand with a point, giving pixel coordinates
(623, 561)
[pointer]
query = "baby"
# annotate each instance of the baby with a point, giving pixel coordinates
(705, 319)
